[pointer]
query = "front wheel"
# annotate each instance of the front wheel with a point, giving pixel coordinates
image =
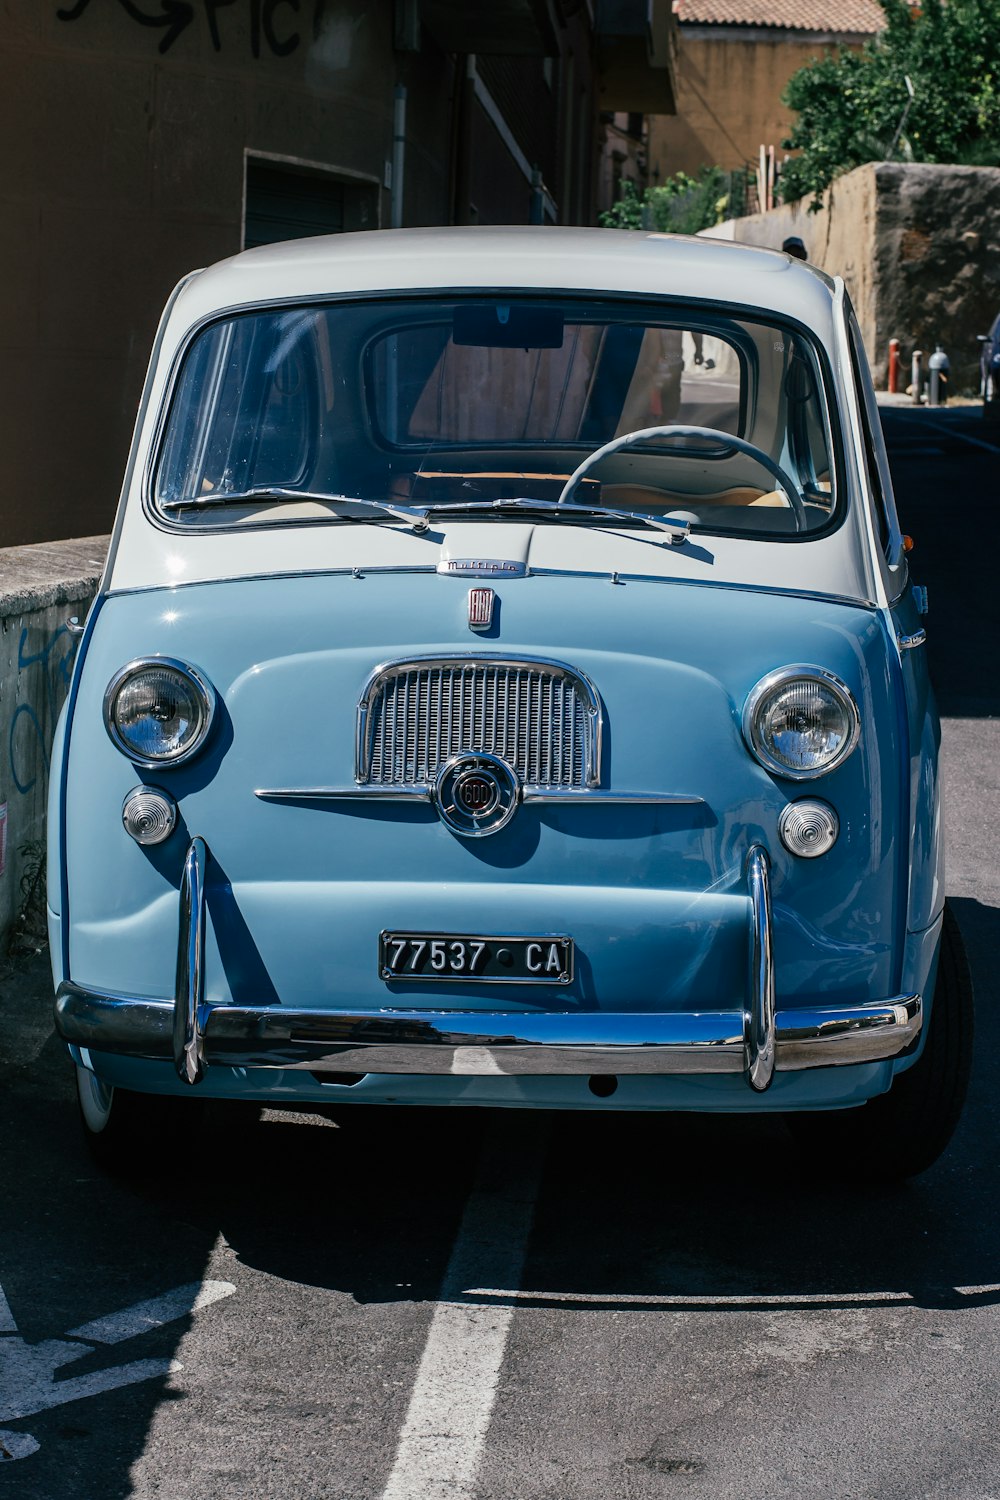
(903, 1132)
(127, 1132)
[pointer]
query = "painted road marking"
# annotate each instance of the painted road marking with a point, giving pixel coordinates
(153, 1314)
(943, 433)
(706, 1301)
(475, 1060)
(27, 1371)
(442, 1440)
(16, 1445)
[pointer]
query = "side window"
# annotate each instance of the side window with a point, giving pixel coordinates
(862, 382)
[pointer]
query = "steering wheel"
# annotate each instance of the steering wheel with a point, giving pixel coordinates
(735, 444)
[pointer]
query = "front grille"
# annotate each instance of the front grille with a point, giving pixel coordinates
(542, 718)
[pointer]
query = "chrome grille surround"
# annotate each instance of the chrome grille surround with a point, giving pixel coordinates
(542, 717)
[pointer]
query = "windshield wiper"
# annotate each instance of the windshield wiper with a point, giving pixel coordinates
(344, 507)
(676, 531)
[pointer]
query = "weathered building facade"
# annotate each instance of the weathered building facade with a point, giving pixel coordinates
(734, 59)
(148, 137)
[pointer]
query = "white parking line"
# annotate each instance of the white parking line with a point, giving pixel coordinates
(143, 1316)
(706, 1301)
(449, 1413)
(28, 1382)
(948, 432)
(703, 1301)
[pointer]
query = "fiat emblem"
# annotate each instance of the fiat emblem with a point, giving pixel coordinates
(476, 794)
(481, 603)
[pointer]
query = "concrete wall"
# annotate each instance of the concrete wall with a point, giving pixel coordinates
(918, 247)
(729, 84)
(40, 589)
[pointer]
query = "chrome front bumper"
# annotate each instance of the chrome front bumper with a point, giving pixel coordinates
(754, 1041)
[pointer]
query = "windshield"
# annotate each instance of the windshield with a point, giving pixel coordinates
(458, 400)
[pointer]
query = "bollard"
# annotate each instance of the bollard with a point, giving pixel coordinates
(916, 375)
(893, 366)
(939, 365)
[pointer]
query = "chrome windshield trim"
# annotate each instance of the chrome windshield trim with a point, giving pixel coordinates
(524, 1042)
(190, 1009)
(760, 1015)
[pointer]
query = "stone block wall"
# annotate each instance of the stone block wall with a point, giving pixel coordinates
(918, 246)
(41, 588)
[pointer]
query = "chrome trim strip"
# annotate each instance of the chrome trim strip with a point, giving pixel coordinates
(539, 1043)
(907, 642)
(593, 727)
(587, 795)
(582, 796)
(344, 793)
(373, 570)
(760, 1016)
(190, 1011)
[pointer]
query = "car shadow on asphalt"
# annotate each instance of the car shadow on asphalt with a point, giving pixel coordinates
(708, 1210)
(645, 1214)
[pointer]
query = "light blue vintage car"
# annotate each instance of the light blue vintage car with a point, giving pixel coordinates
(506, 688)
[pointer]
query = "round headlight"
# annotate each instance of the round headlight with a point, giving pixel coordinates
(801, 722)
(158, 711)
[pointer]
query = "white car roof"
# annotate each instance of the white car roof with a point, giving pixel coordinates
(517, 257)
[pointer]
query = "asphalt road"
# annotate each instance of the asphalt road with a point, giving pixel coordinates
(504, 1307)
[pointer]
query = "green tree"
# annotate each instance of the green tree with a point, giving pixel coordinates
(850, 104)
(680, 205)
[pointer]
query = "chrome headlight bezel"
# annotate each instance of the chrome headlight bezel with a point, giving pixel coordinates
(203, 692)
(756, 706)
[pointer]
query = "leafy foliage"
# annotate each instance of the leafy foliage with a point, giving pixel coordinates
(681, 205)
(850, 104)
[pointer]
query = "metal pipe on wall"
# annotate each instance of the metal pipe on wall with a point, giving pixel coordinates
(398, 153)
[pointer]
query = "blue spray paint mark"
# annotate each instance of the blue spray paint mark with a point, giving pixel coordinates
(55, 661)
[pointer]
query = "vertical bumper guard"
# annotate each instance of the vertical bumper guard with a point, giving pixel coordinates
(189, 1009)
(759, 1018)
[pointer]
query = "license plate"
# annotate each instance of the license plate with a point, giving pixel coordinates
(437, 956)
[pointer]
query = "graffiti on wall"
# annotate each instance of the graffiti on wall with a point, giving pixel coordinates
(43, 679)
(275, 25)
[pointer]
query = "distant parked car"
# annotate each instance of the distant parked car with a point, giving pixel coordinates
(989, 371)
(506, 688)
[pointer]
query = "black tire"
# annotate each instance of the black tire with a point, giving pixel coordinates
(129, 1134)
(903, 1132)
